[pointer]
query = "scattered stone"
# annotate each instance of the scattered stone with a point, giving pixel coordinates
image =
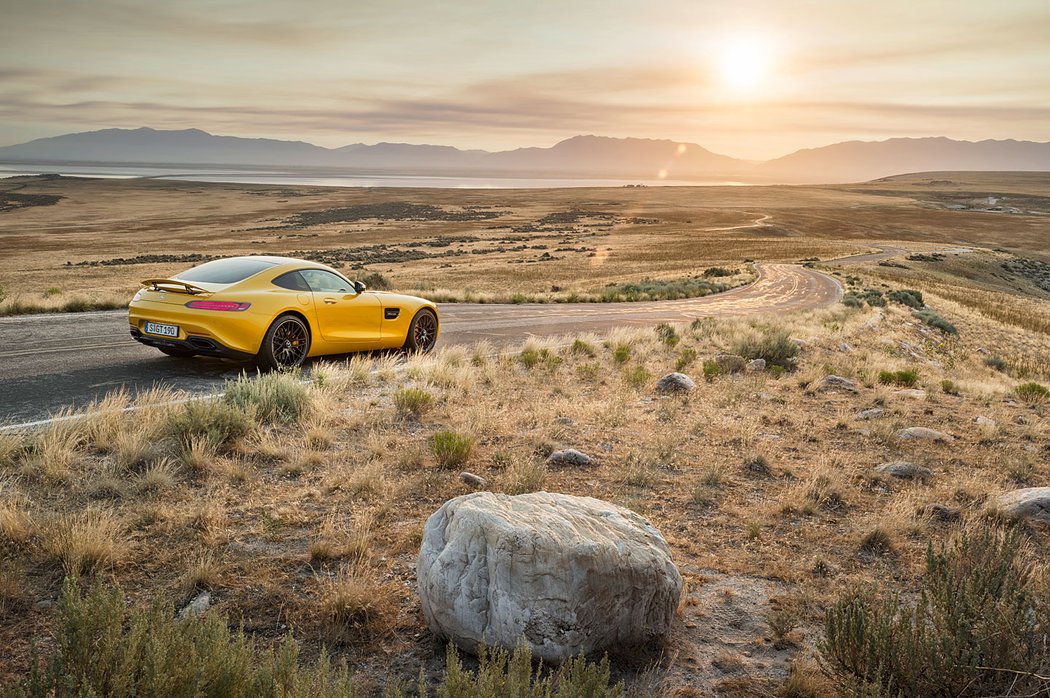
(922, 433)
(913, 393)
(1030, 503)
(568, 574)
(800, 343)
(676, 383)
(870, 413)
(197, 607)
(941, 512)
(569, 456)
(475, 481)
(1021, 419)
(845, 348)
(566, 421)
(757, 467)
(904, 471)
(730, 363)
(982, 421)
(43, 604)
(982, 350)
(755, 366)
(837, 384)
(606, 446)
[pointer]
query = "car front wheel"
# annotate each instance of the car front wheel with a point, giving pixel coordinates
(422, 332)
(285, 345)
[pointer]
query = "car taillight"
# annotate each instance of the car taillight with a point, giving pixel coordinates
(218, 305)
(138, 297)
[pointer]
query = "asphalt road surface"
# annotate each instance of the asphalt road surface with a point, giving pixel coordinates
(51, 362)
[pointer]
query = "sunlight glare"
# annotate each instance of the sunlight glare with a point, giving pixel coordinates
(743, 63)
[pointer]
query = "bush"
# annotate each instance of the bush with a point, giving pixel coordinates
(974, 631)
(685, 359)
(621, 353)
(774, 346)
(412, 401)
(530, 357)
(996, 363)
(270, 397)
(659, 290)
(950, 387)
(376, 281)
(711, 369)
(908, 297)
(936, 321)
(451, 449)
(636, 376)
(582, 348)
(1032, 393)
(715, 272)
(501, 673)
(217, 422)
(907, 377)
(667, 334)
(869, 296)
(103, 649)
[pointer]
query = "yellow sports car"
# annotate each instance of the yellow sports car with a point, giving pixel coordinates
(276, 311)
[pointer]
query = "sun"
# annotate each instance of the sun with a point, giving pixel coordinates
(744, 63)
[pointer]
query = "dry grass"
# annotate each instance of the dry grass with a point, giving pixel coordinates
(84, 541)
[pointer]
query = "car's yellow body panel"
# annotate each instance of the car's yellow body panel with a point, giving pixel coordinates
(339, 322)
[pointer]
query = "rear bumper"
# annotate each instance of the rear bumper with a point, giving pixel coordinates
(205, 346)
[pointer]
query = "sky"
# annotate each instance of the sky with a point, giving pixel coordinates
(748, 78)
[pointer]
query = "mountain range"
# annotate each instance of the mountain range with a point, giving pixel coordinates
(579, 156)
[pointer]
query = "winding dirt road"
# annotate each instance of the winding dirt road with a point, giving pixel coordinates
(49, 362)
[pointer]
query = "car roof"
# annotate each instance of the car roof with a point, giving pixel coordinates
(283, 261)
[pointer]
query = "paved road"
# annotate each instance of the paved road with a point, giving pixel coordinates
(48, 362)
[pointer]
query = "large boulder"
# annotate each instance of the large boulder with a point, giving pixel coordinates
(904, 471)
(567, 574)
(675, 383)
(1030, 503)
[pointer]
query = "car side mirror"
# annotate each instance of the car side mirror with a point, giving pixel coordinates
(359, 287)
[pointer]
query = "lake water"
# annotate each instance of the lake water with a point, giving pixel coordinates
(330, 179)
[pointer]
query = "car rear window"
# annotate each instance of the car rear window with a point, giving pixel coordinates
(225, 271)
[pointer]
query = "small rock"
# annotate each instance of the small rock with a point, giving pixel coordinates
(982, 350)
(845, 348)
(982, 421)
(870, 413)
(730, 363)
(606, 446)
(1021, 419)
(800, 343)
(676, 383)
(922, 433)
(837, 384)
(755, 366)
(566, 421)
(43, 604)
(475, 481)
(913, 393)
(197, 607)
(569, 456)
(941, 512)
(1030, 503)
(904, 471)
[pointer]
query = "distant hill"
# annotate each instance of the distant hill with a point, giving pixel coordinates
(857, 161)
(593, 156)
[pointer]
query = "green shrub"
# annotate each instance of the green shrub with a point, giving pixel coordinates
(501, 674)
(582, 348)
(636, 376)
(715, 272)
(950, 387)
(659, 290)
(530, 357)
(869, 296)
(908, 377)
(103, 649)
(851, 300)
(667, 334)
(935, 321)
(451, 448)
(775, 346)
(996, 363)
(711, 369)
(974, 630)
(412, 401)
(217, 421)
(270, 397)
(686, 357)
(376, 281)
(1032, 393)
(908, 297)
(621, 353)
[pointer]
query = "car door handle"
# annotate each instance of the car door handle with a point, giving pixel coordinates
(330, 300)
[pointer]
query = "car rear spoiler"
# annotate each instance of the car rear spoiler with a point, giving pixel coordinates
(173, 285)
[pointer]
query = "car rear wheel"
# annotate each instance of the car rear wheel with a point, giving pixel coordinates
(423, 332)
(177, 353)
(285, 345)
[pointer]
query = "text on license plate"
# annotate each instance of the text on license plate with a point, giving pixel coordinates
(166, 330)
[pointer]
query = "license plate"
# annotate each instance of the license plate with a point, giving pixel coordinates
(164, 330)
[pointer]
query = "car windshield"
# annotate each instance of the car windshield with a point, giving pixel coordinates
(225, 271)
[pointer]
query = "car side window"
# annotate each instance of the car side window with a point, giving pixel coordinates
(322, 281)
(293, 281)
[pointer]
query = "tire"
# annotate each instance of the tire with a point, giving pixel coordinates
(422, 332)
(285, 344)
(176, 353)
